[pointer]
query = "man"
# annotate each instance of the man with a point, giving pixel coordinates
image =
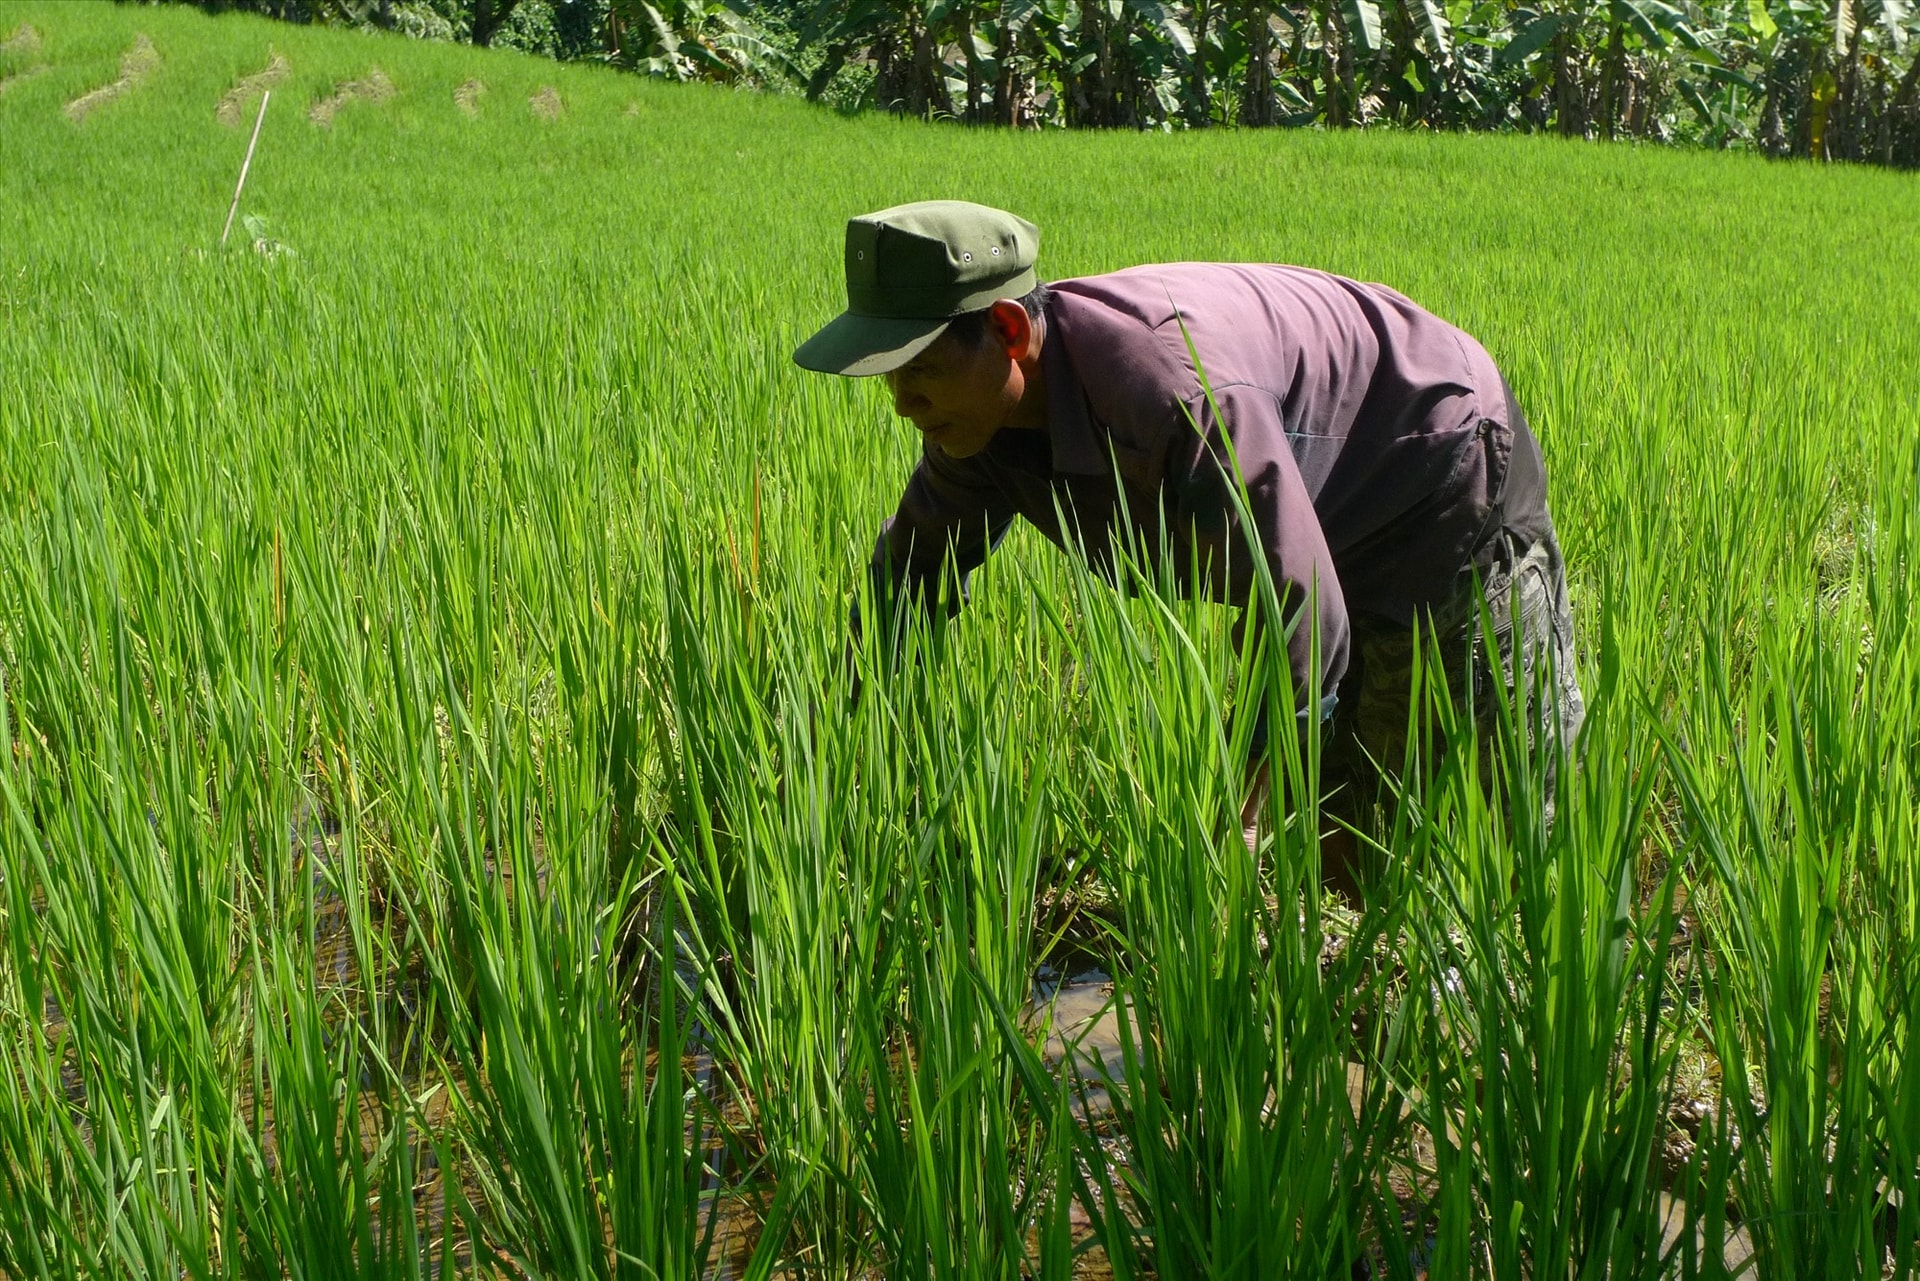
(1390, 478)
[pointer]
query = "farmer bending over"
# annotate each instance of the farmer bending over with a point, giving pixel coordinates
(1389, 474)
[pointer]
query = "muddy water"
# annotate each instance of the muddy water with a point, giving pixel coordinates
(1082, 1017)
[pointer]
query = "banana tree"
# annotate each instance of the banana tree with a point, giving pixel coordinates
(693, 40)
(1853, 89)
(1829, 78)
(903, 43)
(1008, 48)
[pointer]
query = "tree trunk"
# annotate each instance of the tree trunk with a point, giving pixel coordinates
(1256, 100)
(1903, 119)
(975, 85)
(1114, 80)
(1349, 96)
(1202, 104)
(1842, 131)
(1771, 133)
(488, 17)
(1003, 77)
(1333, 41)
(1566, 90)
(1071, 94)
(1295, 60)
(920, 54)
(1610, 78)
(927, 92)
(889, 84)
(1100, 90)
(1820, 93)
(1086, 85)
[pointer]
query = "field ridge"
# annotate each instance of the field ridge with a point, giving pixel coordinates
(374, 88)
(231, 109)
(23, 39)
(137, 66)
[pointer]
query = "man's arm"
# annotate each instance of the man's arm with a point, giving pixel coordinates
(950, 516)
(1286, 532)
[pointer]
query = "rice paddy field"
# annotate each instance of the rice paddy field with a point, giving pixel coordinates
(438, 832)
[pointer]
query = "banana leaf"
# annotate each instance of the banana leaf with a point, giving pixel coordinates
(1433, 21)
(1169, 26)
(1531, 38)
(1363, 24)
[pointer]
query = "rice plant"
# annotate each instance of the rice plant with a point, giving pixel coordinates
(445, 823)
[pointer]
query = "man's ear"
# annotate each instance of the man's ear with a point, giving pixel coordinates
(1013, 327)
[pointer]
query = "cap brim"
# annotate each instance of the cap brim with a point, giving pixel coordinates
(858, 346)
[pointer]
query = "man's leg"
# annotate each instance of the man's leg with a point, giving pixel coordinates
(1368, 734)
(1525, 595)
(1524, 592)
(1337, 844)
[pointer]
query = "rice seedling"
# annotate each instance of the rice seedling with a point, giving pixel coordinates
(444, 824)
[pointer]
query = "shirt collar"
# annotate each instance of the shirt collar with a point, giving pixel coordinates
(1077, 446)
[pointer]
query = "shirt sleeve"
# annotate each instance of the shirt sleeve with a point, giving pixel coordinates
(1286, 530)
(950, 516)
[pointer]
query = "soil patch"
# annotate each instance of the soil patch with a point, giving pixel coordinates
(373, 87)
(136, 65)
(546, 104)
(467, 97)
(232, 110)
(25, 40)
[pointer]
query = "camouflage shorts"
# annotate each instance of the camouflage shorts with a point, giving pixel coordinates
(1524, 590)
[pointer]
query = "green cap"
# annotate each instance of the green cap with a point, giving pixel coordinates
(913, 268)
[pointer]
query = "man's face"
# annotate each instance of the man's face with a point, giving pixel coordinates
(958, 395)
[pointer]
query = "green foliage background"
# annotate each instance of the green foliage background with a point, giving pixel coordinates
(1783, 77)
(424, 715)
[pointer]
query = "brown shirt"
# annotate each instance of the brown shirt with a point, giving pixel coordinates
(1375, 440)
